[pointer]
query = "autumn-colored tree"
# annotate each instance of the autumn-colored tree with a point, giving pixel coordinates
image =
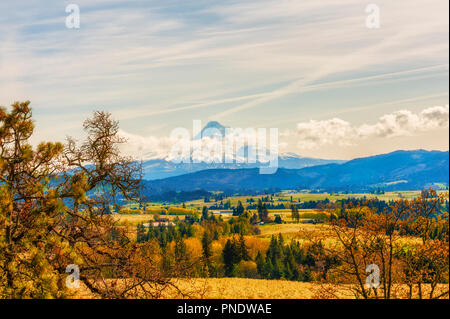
(374, 257)
(55, 203)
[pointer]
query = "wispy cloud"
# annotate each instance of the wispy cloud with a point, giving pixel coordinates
(313, 134)
(209, 147)
(336, 131)
(150, 62)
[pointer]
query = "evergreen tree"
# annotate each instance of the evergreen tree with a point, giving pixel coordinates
(295, 214)
(254, 219)
(267, 269)
(243, 252)
(263, 213)
(205, 213)
(239, 209)
(230, 256)
(180, 250)
(280, 240)
(260, 264)
(206, 245)
(141, 236)
(278, 220)
(277, 270)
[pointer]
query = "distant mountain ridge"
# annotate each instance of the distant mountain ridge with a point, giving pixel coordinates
(162, 168)
(159, 168)
(393, 171)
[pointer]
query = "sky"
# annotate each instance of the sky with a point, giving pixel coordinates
(333, 87)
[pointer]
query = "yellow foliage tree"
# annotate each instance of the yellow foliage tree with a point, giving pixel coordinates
(55, 204)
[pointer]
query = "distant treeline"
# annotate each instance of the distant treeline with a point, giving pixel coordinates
(171, 196)
(178, 197)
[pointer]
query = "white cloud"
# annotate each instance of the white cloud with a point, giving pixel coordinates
(170, 61)
(336, 131)
(212, 147)
(148, 147)
(309, 135)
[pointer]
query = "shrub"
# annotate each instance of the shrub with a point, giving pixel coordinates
(278, 220)
(180, 211)
(156, 210)
(247, 269)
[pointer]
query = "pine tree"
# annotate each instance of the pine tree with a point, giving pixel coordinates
(206, 245)
(141, 236)
(254, 219)
(295, 215)
(205, 213)
(287, 272)
(181, 253)
(239, 209)
(229, 257)
(274, 252)
(267, 269)
(260, 264)
(277, 270)
(280, 240)
(263, 213)
(278, 220)
(243, 252)
(259, 208)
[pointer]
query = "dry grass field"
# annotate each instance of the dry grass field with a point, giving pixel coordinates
(302, 232)
(134, 219)
(243, 288)
(293, 230)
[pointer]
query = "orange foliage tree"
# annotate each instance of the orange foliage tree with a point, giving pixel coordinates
(55, 204)
(393, 253)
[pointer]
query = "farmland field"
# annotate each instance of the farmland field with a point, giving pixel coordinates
(285, 197)
(134, 219)
(243, 288)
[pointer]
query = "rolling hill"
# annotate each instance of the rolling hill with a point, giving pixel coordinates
(399, 170)
(162, 168)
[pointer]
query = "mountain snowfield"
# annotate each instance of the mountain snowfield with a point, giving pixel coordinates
(163, 157)
(203, 161)
(163, 168)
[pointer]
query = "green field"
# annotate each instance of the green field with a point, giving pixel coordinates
(298, 197)
(139, 215)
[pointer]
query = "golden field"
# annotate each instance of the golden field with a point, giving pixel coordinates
(134, 219)
(243, 288)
